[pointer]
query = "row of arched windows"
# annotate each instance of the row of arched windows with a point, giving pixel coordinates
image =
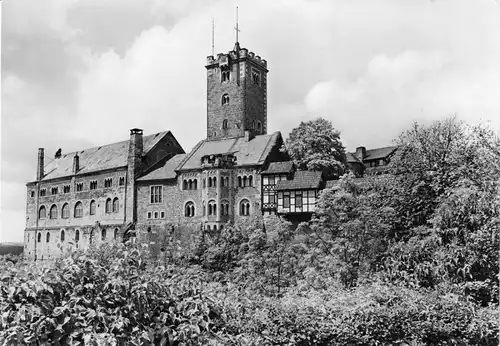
(244, 181)
(190, 184)
(190, 211)
(225, 123)
(112, 206)
(77, 236)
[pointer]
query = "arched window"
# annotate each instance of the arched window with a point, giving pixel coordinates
(53, 212)
(42, 213)
(225, 76)
(62, 235)
(244, 207)
(77, 236)
(245, 181)
(225, 99)
(115, 234)
(259, 126)
(227, 181)
(185, 185)
(250, 181)
(209, 181)
(65, 211)
(190, 184)
(92, 207)
(108, 205)
(47, 237)
(39, 237)
(214, 180)
(189, 209)
(240, 182)
(224, 208)
(116, 205)
(103, 235)
(204, 208)
(195, 184)
(224, 124)
(78, 209)
(212, 208)
(91, 236)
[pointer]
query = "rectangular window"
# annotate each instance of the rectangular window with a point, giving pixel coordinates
(255, 77)
(43, 192)
(121, 182)
(108, 182)
(93, 184)
(298, 200)
(54, 190)
(32, 193)
(156, 214)
(79, 187)
(286, 200)
(149, 215)
(66, 188)
(162, 214)
(156, 194)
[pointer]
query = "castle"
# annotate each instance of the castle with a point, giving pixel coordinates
(148, 185)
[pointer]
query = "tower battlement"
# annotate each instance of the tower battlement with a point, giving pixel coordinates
(242, 53)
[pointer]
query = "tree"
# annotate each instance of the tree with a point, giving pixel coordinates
(315, 146)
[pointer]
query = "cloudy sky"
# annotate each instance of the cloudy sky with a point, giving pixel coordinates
(80, 73)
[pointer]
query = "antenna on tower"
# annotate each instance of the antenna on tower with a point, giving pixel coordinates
(213, 37)
(236, 27)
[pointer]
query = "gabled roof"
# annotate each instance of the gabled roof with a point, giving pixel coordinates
(332, 183)
(98, 158)
(302, 180)
(350, 157)
(247, 153)
(279, 167)
(165, 171)
(379, 153)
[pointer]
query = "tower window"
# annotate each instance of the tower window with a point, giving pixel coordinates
(255, 77)
(93, 184)
(66, 188)
(259, 126)
(54, 191)
(189, 210)
(224, 124)
(225, 76)
(225, 99)
(245, 207)
(43, 192)
(108, 182)
(79, 187)
(121, 181)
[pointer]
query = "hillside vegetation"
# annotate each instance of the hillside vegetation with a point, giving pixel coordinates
(409, 258)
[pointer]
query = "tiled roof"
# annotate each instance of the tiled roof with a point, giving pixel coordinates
(379, 153)
(279, 167)
(98, 158)
(332, 183)
(253, 152)
(165, 171)
(301, 180)
(350, 157)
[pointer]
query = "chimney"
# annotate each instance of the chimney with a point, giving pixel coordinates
(248, 135)
(76, 163)
(135, 149)
(361, 153)
(39, 172)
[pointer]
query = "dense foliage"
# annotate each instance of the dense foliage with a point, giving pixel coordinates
(409, 258)
(316, 146)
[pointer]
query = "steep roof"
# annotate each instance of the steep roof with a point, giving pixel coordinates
(165, 171)
(247, 153)
(98, 158)
(279, 167)
(379, 153)
(350, 157)
(301, 180)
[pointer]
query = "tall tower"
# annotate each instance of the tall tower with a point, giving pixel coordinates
(236, 94)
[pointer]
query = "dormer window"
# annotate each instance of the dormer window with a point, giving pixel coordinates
(225, 99)
(225, 75)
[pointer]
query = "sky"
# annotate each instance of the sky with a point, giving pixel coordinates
(81, 73)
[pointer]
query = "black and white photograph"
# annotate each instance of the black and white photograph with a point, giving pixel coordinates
(281, 172)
